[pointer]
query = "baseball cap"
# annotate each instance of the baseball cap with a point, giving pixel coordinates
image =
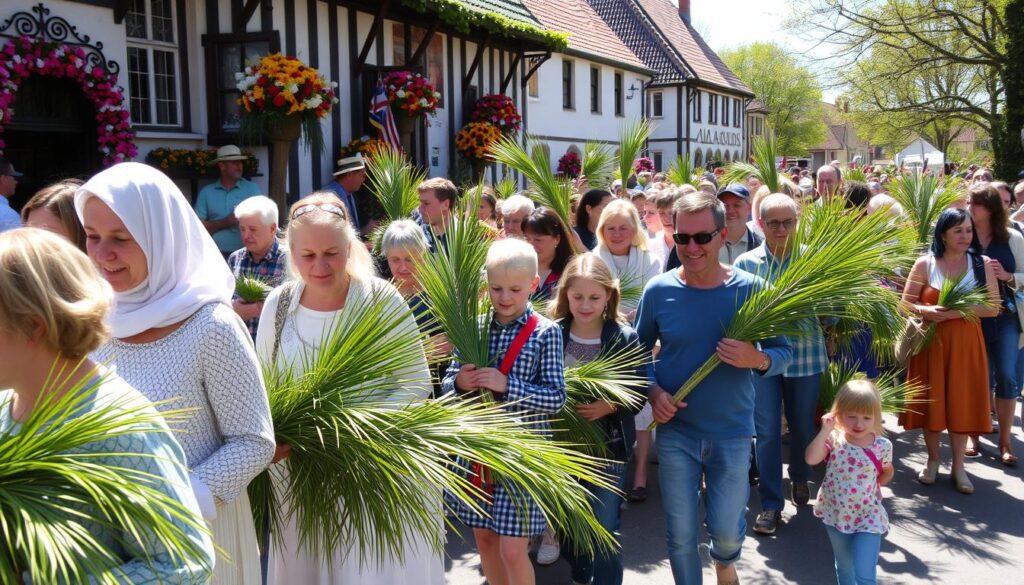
(6, 168)
(737, 190)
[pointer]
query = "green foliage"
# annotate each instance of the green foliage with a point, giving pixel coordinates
(393, 182)
(763, 168)
(682, 172)
(963, 300)
(791, 92)
(252, 289)
(924, 198)
(898, 395)
(463, 15)
(632, 140)
(506, 188)
(597, 164)
(51, 483)
(545, 188)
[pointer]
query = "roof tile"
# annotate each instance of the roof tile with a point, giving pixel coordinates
(622, 18)
(511, 9)
(587, 31)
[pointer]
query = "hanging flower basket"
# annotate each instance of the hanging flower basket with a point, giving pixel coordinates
(363, 145)
(570, 164)
(181, 161)
(474, 140)
(411, 95)
(24, 57)
(643, 165)
(498, 109)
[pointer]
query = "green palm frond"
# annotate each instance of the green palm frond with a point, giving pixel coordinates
(833, 267)
(545, 188)
(924, 198)
(393, 182)
(898, 395)
(53, 484)
(681, 172)
(631, 287)
(368, 466)
(880, 314)
(452, 278)
(252, 289)
(964, 300)
(596, 165)
(632, 139)
(855, 174)
(506, 188)
(763, 168)
(611, 378)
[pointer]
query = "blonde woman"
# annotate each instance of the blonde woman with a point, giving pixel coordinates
(176, 336)
(332, 271)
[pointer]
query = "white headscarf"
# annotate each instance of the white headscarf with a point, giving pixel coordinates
(186, 270)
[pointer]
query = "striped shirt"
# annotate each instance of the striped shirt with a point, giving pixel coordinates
(271, 268)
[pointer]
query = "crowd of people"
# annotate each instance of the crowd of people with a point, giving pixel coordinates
(644, 264)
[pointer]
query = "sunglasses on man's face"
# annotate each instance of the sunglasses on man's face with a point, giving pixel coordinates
(701, 238)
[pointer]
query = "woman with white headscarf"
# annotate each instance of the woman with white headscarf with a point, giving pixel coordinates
(176, 337)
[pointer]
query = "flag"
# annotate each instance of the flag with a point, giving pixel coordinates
(383, 119)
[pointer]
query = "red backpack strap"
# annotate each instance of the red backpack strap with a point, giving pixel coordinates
(518, 343)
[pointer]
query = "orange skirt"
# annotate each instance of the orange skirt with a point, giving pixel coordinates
(954, 369)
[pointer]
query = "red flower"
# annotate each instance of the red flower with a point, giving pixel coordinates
(278, 100)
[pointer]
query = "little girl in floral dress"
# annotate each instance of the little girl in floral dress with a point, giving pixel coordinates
(859, 462)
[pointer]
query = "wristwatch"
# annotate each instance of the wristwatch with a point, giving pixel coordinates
(765, 363)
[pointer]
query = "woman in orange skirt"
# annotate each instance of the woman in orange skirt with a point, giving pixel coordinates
(953, 367)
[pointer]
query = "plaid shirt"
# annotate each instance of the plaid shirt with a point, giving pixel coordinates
(270, 268)
(809, 354)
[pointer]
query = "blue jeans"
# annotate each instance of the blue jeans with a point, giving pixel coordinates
(800, 397)
(1001, 335)
(856, 556)
(724, 464)
(606, 567)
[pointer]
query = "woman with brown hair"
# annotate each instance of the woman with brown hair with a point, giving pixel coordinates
(53, 208)
(545, 232)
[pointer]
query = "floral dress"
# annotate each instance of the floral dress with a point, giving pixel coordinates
(850, 499)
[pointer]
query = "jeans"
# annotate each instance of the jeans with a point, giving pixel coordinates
(800, 397)
(856, 556)
(724, 464)
(1001, 335)
(606, 567)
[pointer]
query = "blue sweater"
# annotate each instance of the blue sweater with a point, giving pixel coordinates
(689, 322)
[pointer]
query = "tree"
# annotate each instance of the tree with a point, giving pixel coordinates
(791, 92)
(946, 59)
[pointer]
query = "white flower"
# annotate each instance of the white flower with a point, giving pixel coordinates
(110, 128)
(424, 102)
(240, 75)
(437, 94)
(313, 102)
(293, 87)
(334, 84)
(39, 63)
(400, 94)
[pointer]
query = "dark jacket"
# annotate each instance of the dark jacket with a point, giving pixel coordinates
(616, 337)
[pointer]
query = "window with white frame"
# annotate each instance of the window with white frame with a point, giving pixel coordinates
(568, 87)
(153, 89)
(657, 104)
(533, 85)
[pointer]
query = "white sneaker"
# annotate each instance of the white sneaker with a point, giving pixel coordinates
(548, 552)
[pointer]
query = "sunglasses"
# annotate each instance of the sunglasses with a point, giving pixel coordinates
(701, 238)
(329, 208)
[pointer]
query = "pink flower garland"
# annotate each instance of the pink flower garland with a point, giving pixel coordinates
(23, 57)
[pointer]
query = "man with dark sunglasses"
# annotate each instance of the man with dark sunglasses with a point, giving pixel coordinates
(708, 433)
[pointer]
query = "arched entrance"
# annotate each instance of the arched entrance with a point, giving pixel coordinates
(52, 136)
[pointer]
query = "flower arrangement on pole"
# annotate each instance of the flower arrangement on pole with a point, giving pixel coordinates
(411, 94)
(570, 164)
(475, 141)
(364, 145)
(498, 109)
(643, 165)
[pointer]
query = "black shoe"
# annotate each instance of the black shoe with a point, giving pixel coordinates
(801, 493)
(637, 494)
(767, 522)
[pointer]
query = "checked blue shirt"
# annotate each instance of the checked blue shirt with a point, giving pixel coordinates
(271, 268)
(809, 354)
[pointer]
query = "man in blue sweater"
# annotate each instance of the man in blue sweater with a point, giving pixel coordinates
(708, 434)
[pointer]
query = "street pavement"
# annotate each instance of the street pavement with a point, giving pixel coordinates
(938, 535)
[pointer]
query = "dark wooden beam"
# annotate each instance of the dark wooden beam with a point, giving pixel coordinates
(248, 10)
(378, 18)
(420, 50)
(511, 71)
(120, 10)
(536, 60)
(480, 48)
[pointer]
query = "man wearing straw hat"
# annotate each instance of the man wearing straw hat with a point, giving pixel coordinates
(216, 202)
(348, 179)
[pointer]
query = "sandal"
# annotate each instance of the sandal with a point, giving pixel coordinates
(962, 482)
(637, 494)
(927, 475)
(1007, 458)
(972, 451)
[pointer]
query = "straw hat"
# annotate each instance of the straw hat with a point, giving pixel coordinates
(349, 164)
(228, 152)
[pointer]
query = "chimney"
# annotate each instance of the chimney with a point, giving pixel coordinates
(684, 10)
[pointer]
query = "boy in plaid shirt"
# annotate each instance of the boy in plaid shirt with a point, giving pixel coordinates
(533, 388)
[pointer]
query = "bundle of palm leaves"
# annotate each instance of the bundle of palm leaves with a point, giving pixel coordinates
(833, 267)
(964, 300)
(545, 188)
(368, 462)
(505, 188)
(898, 395)
(52, 484)
(393, 182)
(632, 139)
(682, 172)
(924, 198)
(252, 289)
(763, 168)
(855, 174)
(597, 164)
(612, 378)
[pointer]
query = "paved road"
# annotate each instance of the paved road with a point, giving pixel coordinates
(938, 536)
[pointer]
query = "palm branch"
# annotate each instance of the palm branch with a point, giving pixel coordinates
(833, 267)
(506, 188)
(53, 484)
(610, 378)
(954, 297)
(632, 139)
(924, 198)
(597, 164)
(681, 172)
(763, 168)
(880, 314)
(855, 174)
(393, 182)
(898, 395)
(545, 188)
(631, 286)
(251, 288)
(367, 467)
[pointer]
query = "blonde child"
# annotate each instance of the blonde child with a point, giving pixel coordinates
(530, 378)
(859, 462)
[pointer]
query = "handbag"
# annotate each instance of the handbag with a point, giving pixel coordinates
(910, 340)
